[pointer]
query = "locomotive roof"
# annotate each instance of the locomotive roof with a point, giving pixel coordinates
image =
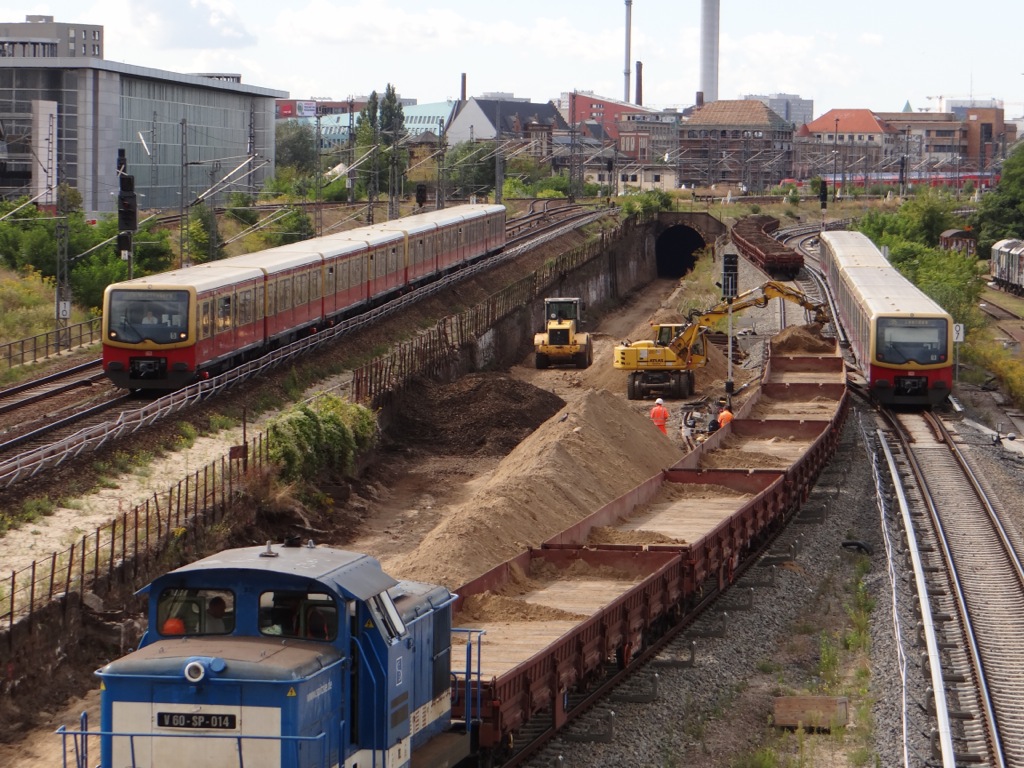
(201, 277)
(344, 572)
(881, 287)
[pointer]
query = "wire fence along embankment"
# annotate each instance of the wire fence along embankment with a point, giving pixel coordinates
(119, 554)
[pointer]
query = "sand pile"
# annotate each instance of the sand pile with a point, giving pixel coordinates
(797, 339)
(586, 455)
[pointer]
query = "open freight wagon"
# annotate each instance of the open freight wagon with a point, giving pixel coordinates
(573, 613)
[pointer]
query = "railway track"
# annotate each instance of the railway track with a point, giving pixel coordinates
(80, 402)
(975, 585)
(37, 411)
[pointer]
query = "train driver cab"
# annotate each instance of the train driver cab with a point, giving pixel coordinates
(306, 615)
(133, 316)
(195, 612)
(902, 340)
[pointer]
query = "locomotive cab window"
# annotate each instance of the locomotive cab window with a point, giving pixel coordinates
(385, 615)
(304, 615)
(204, 611)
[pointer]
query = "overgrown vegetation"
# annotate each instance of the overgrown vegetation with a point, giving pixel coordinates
(323, 435)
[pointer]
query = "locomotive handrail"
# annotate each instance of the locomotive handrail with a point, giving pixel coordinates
(80, 738)
(469, 673)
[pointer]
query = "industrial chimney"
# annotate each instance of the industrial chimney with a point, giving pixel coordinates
(629, 32)
(709, 15)
(462, 96)
(640, 83)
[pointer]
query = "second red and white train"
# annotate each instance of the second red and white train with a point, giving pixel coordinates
(901, 338)
(166, 331)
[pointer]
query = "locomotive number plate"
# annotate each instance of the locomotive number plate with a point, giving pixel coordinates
(196, 720)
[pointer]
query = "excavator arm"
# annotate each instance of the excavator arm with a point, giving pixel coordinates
(755, 297)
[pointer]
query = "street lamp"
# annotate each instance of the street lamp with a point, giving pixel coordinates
(835, 159)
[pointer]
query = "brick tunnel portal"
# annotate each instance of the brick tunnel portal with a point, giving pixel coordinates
(677, 250)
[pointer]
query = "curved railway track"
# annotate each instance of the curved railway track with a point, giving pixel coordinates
(976, 592)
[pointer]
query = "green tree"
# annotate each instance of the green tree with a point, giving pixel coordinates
(204, 241)
(928, 214)
(295, 146)
(1000, 213)
(391, 117)
(467, 171)
(290, 228)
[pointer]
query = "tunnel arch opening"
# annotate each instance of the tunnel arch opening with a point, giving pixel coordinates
(676, 251)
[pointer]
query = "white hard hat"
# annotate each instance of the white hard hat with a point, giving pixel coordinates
(659, 401)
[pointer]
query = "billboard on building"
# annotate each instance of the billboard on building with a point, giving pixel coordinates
(305, 109)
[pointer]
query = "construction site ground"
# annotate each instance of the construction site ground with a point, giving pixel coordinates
(473, 472)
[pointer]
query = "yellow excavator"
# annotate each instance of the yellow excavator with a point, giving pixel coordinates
(664, 366)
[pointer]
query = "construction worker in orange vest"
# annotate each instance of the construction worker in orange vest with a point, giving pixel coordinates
(659, 415)
(724, 416)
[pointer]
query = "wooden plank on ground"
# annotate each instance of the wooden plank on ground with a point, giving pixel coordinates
(815, 712)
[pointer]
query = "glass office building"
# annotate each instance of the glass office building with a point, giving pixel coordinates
(182, 134)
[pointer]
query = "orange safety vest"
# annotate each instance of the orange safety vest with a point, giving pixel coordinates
(659, 415)
(724, 417)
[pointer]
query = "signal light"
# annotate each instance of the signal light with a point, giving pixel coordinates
(823, 194)
(127, 211)
(730, 274)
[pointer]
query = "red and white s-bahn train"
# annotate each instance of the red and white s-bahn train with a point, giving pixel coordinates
(165, 331)
(901, 338)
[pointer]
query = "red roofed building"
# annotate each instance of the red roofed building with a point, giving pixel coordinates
(847, 141)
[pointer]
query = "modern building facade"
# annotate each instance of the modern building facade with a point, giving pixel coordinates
(40, 37)
(182, 134)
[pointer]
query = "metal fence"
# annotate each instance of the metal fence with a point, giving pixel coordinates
(36, 348)
(119, 551)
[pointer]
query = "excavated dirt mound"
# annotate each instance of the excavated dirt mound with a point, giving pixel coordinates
(478, 414)
(598, 440)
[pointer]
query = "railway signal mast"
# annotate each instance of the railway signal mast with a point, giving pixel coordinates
(730, 289)
(127, 211)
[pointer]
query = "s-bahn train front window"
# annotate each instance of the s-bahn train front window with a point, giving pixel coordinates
(160, 316)
(912, 340)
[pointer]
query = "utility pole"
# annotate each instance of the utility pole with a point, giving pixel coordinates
(374, 175)
(184, 260)
(318, 213)
(352, 151)
(499, 165)
(63, 272)
(213, 235)
(442, 145)
(573, 149)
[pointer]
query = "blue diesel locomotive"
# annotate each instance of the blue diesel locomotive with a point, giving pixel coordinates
(284, 657)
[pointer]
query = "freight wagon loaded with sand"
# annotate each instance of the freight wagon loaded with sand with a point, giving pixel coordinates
(404, 672)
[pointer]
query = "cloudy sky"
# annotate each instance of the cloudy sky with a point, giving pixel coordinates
(871, 54)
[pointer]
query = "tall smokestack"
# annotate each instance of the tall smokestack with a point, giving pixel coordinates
(462, 92)
(709, 14)
(640, 83)
(629, 33)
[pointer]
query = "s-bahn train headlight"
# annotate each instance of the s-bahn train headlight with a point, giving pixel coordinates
(195, 671)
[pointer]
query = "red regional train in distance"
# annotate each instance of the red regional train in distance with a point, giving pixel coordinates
(166, 331)
(901, 338)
